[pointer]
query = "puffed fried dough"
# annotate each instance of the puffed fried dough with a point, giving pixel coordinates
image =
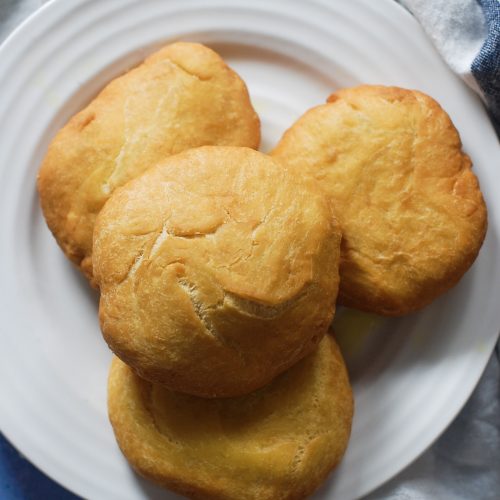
(280, 442)
(182, 96)
(218, 270)
(412, 215)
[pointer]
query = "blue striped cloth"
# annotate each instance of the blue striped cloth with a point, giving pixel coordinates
(467, 35)
(486, 65)
(19, 480)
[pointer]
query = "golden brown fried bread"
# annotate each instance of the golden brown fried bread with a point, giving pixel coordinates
(279, 442)
(181, 97)
(218, 270)
(412, 215)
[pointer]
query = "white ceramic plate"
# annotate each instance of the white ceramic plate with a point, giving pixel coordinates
(411, 376)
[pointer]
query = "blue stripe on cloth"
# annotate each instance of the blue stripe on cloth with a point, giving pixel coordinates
(486, 65)
(19, 480)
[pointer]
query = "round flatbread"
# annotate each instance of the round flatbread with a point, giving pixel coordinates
(181, 97)
(280, 442)
(412, 215)
(218, 270)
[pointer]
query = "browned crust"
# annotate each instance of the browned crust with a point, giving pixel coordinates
(182, 96)
(283, 441)
(218, 270)
(411, 211)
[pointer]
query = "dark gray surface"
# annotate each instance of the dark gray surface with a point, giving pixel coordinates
(463, 464)
(12, 12)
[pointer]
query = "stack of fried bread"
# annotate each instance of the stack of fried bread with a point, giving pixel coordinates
(219, 267)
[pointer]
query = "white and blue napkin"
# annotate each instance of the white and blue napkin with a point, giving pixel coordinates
(467, 35)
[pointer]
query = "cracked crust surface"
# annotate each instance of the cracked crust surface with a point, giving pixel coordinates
(218, 270)
(279, 442)
(182, 96)
(412, 215)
